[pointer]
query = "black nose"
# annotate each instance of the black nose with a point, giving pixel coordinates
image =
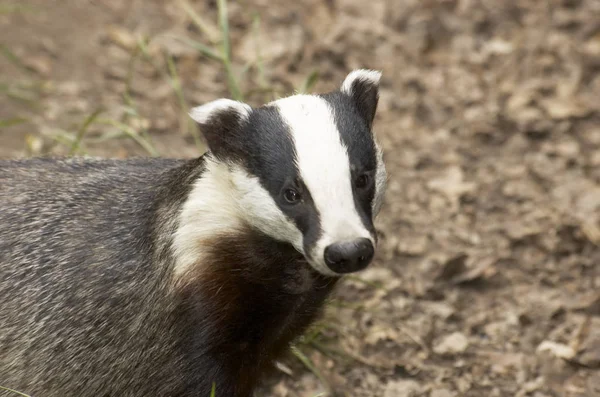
(349, 256)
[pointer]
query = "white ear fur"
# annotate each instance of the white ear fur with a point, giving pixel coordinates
(369, 76)
(202, 114)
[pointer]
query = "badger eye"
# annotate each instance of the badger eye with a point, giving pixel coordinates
(291, 196)
(362, 181)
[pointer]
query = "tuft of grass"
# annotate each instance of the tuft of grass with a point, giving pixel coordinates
(234, 87)
(25, 92)
(171, 76)
(202, 49)
(82, 130)
(185, 122)
(13, 58)
(372, 284)
(262, 80)
(15, 8)
(140, 138)
(311, 367)
(205, 27)
(221, 54)
(4, 123)
(309, 82)
(14, 391)
(127, 98)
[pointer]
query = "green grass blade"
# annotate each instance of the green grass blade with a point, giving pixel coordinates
(311, 367)
(186, 121)
(309, 82)
(106, 137)
(262, 81)
(144, 142)
(234, 88)
(172, 78)
(82, 130)
(224, 26)
(12, 57)
(4, 123)
(202, 49)
(213, 390)
(372, 284)
(14, 391)
(22, 96)
(206, 28)
(20, 92)
(14, 8)
(175, 82)
(129, 79)
(314, 332)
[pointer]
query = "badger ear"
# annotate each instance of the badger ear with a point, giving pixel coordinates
(220, 122)
(362, 85)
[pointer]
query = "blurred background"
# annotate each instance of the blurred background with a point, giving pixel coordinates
(487, 280)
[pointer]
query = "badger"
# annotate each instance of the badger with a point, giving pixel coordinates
(166, 277)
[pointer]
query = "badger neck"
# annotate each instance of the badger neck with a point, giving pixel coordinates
(246, 293)
(209, 212)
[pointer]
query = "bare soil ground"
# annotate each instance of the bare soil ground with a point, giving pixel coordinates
(487, 280)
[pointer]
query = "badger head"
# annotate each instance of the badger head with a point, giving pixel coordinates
(305, 169)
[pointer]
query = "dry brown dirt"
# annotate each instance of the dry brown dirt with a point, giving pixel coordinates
(487, 280)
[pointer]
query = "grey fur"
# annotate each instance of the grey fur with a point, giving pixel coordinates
(84, 272)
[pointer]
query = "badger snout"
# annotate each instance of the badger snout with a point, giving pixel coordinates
(349, 256)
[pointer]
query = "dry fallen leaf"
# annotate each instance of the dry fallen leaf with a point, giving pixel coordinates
(589, 304)
(593, 385)
(562, 108)
(484, 269)
(588, 344)
(402, 388)
(454, 343)
(556, 349)
(121, 37)
(452, 185)
(453, 267)
(412, 245)
(442, 393)
(39, 64)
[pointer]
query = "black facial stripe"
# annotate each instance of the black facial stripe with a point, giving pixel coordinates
(310, 223)
(354, 131)
(271, 156)
(362, 203)
(356, 135)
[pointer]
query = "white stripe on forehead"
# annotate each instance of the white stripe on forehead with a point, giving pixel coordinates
(324, 166)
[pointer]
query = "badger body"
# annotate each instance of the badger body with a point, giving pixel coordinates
(162, 277)
(88, 307)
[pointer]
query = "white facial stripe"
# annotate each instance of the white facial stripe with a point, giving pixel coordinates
(208, 211)
(324, 167)
(222, 201)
